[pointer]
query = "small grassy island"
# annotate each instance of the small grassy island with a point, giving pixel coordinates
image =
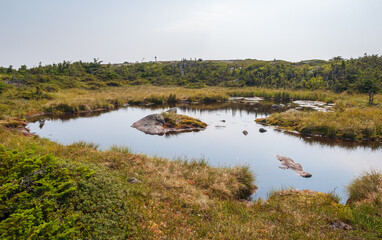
(48, 190)
(168, 122)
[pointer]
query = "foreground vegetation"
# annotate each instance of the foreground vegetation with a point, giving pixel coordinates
(77, 191)
(48, 190)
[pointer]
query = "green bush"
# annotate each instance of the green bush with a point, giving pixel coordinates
(43, 198)
(35, 197)
(3, 86)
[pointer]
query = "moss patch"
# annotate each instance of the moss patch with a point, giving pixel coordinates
(178, 121)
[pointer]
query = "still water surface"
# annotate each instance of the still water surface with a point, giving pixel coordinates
(332, 164)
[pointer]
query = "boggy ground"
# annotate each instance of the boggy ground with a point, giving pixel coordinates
(352, 123)
(115, 194)
(352, 117)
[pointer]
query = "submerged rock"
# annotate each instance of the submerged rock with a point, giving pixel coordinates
(290, 164)
(174, 110)
(169, 122)
(262, 130)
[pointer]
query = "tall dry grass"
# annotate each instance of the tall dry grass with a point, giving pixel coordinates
(366, 188)
(355, 123)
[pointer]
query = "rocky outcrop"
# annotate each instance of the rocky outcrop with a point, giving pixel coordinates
(245, 132)
(290, 164)
(151, 124)
(158, 124)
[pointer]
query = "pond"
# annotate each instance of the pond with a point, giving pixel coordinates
(333, 164)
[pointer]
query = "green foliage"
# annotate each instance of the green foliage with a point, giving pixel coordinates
(362, 75)
(35, 193)
(43, 198)
(37, 94)
(3, 87)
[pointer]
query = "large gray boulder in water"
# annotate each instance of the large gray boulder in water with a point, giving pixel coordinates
(155, 124)
(151, 124)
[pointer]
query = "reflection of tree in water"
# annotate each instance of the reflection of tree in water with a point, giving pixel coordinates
(263, 107)
(248, 107)
(42, 123)
(256, 108)
(63, 117)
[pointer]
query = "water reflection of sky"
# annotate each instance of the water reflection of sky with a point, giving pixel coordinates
(333, 166)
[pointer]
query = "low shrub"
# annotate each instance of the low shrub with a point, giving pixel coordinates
(35, 193)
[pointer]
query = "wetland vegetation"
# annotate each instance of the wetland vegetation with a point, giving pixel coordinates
(76, 191)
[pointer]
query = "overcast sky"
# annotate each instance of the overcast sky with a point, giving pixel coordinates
(50, 31)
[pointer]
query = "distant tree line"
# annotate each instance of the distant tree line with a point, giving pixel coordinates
(362, 75)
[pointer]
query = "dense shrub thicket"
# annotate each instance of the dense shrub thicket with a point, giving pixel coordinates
(34, 196)
(47, 198)
(363, 74)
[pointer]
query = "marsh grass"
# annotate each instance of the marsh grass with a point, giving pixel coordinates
(284, 95)
(83, 144)
(119, 149)
(366, 188)
(365, 196)
(334, 196)
(107, 98)
(355, 123)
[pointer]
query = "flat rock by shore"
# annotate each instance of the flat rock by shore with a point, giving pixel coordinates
(290, 164)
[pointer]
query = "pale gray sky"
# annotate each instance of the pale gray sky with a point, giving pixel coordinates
(50, 31)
